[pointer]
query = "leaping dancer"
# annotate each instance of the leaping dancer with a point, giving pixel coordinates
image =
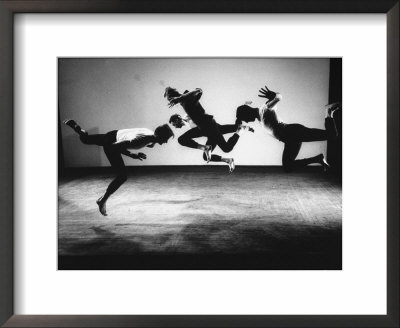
(292, 135)
(205, 123)
(119, 142)
(194, 132)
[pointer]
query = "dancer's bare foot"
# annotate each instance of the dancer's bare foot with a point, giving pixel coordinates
(231, 163)
(207, 152)
(102, 206)
(331, 108)
(72, 124)
(324, 163)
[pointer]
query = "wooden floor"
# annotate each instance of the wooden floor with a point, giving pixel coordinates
(202, 218)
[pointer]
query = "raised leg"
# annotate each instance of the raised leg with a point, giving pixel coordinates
(74, 126)
(289, 161)
(300, 133)
(186, 139)
(213, 132)
(94, 139)
(331, 129)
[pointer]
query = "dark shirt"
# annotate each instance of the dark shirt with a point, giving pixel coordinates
(195, 110)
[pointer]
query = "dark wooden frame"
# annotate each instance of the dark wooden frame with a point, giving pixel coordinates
(7, 10)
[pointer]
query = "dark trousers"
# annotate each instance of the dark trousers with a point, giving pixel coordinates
(113, 156)
(215, 138)
(293, 135)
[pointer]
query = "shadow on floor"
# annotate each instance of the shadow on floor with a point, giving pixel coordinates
(211, 244)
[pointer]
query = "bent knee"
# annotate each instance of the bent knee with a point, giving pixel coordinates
(226, 149)
(181, 141)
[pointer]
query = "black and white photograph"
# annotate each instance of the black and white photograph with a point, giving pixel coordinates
(199, 163)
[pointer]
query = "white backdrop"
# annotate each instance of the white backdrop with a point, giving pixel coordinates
(109, 94)
(360, 288)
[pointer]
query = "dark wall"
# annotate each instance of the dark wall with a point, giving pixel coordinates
(60, 148)
(334, 151)
(335, 80)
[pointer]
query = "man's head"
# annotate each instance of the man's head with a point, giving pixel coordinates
(171, 93)
(245, 113)
(163, 133)
(177, 121)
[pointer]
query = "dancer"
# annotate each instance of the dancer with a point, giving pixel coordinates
(205, 122)
(187, 138)
(292, 135)
(118, 142)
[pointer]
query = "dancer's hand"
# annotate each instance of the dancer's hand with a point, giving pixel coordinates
(174, 101)
(266, 93)
(139, 156)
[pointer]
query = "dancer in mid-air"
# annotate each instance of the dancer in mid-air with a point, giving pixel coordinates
(292, 135)
(194, 132)
(205, 122)
(119, 142)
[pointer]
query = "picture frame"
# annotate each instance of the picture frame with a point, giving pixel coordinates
(10, 7)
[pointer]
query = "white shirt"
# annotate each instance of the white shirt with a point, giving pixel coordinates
(138, 137)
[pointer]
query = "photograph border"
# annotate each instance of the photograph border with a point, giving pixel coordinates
(10, 7)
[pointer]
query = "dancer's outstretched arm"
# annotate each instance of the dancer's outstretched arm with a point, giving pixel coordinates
(139, 156)
(122, 147)
(190, 96)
